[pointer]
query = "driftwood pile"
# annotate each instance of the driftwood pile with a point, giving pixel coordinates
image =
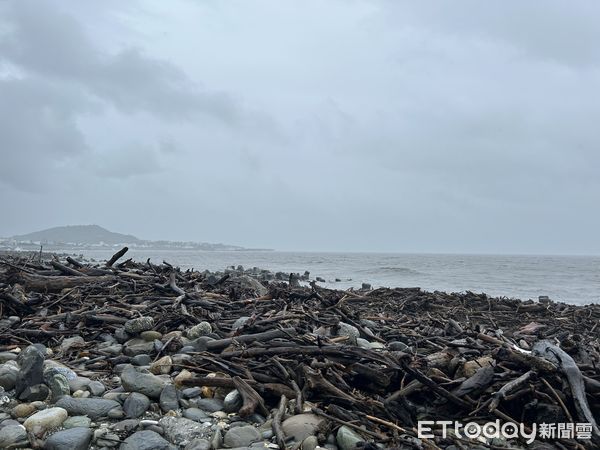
(375, 362)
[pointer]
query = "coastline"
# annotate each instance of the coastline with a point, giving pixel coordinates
(351, 365)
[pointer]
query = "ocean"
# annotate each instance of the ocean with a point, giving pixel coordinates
(572, 279)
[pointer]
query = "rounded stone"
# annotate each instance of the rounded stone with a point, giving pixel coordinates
(78, 438)
(35, 392)
(45, 420)
(116, 413)
(169, 399)
(59, 386)
(145, 383)
(141, 360)
(136, 326)
(8, 376)
(198, 444)
(77, 421)
(23, 410)
(162, 366)
(136, 405)
(302, 426)
(347, 439)
(196, 414)
(13, 436)
(137, 346)
(210, 404)
(96, 388)
(242, 436)
(182, 376)
(310, 443)
(232, 402)
(7, 356)
(202, 329)
(146, 440)
(150, 335)
(79, 383)
(191, 392)
(31, 363)
(180, 430)
(94, 408)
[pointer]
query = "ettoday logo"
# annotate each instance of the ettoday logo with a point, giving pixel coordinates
(508, 430)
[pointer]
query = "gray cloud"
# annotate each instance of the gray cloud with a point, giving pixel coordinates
(38, 129)
(54, 74)
(50, 43)
(348, 125)
(129, 161)
(548, 32)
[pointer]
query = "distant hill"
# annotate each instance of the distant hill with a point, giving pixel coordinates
(94, 236)
(78, 234)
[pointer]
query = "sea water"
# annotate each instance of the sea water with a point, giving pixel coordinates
(572, 279)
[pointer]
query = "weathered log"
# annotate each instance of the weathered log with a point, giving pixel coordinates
(116, 256)
(275, 389)
(509, 387)
(12, 301)
(251, 398)
(276, 425)
(220, 344)
(74, 262)
(67, 270)
(58, 283)
(568, 366)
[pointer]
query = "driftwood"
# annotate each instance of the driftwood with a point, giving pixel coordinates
(252, 399)
(116, 257)
(277, 417)
(376, 361)
(42, 283)
(568, 366)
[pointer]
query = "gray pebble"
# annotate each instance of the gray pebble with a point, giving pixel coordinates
(136, 326)
(77, 421)
(191, 392)
(142, 359)
(198, 444)
(241, 436)
(77, 438)
(136, 405)
(232, 402)
(210, 404)
(59, 386)
(169, 398)
(96, 388)
(196, 414)
(13, 436)
(146, 440)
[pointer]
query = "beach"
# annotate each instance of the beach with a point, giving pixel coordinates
(111, 354)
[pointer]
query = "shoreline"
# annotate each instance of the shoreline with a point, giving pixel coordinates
(349, 366)
(564, 281)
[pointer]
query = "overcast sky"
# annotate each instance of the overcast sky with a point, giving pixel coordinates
(342, 125)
